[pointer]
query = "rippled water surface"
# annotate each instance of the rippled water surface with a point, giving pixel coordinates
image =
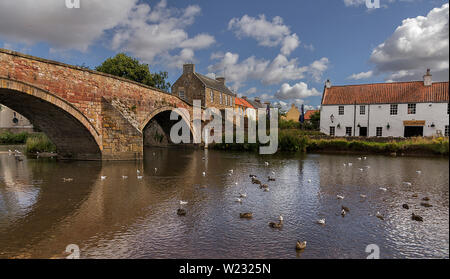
(40, 213)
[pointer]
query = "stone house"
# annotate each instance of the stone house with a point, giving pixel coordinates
(13, 122)
(192, 86)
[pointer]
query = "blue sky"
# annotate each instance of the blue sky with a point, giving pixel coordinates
(282, 51)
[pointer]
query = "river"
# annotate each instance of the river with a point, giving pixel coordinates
(115, 217)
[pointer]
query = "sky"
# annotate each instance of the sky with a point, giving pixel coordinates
(281, 51)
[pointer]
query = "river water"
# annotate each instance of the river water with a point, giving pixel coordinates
(116, 217)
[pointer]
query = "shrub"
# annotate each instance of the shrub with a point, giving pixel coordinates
(10, 138)
(39, 143)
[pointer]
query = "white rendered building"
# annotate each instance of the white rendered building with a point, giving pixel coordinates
(397, 109)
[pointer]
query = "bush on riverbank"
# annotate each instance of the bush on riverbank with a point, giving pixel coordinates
(10, 138)
(39, 143)
(413, 146)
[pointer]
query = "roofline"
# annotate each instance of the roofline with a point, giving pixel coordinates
(348, 104)
(376, 83)
(195, 74)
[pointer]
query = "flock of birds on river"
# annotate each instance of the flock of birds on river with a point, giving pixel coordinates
(300, 245)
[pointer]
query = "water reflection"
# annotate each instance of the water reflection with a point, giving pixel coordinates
(40, 213)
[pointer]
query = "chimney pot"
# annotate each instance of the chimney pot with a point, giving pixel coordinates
(328, 84)
(188, 68)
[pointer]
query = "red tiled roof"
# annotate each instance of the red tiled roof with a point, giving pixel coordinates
(309, 113)
(385, 93)
(242, 102)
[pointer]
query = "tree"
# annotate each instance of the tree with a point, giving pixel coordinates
(128, 67)
(315, 120)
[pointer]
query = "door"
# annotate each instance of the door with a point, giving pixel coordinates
(363, 131)
(413, 131)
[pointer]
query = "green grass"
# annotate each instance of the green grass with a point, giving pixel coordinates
(10, 138)
(39, 143)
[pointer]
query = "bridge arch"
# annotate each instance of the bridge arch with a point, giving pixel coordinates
(69, 129)
(158, 123)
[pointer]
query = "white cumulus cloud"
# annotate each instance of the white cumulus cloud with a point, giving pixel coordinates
(417, 44)
(297, 91)
(362, 75)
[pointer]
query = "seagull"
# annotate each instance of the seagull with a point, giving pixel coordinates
(266, 189)
(365, 158)
(242, 195)
(407, 183)
(321, 221)
(10, 152)
(345, 164)
(124, 176)
(231, 171)
(154, 154)
(350, 164)
(363, 196)
(340, 197)
(139, 177)
(359, 158)
(361, 169)
(309, 180)
(419, 172)
(235, 183)
(273, 172)
(383, 189)
(138, 171)
(266, 163)
(204, 173)
(102, 177)
(183, 202)
(238, 200)
(156, 169)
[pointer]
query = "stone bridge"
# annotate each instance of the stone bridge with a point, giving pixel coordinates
(88, 115)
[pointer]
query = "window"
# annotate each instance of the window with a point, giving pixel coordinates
(181, 94)
(332, 130)
(226, 100)
(348, 131)
(220, 98)
(448, 108)
(211, 96)
(362, 110)
(446, 131)
(394, 109)
(379, 131)
(411, 108)
(341, 110)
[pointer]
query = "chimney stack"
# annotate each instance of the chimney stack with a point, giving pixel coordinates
(221, 80)
(427, 81)
(257, 100)
(188, 68)
(244, 97)
(328, 84)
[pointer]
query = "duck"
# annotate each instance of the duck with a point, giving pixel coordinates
(277, 225)
(425, 204)
(103, 177)
(263, 186)
(340, 197)
(405, 206)
(321, 221)
(181, 211)
(418, 172)
(183, 202)
(238, 200)
(301, 245)
(414, 195)
(270, 178)
(379, 216)
(242, 195)
(416, 217)
(343, 213)
(252, 176)
(266, 189)
(346, 209)
(426, 199)
(256, 181)
(246, 215)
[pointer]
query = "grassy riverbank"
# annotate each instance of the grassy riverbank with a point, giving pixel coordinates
(36, 142)
(294, 140)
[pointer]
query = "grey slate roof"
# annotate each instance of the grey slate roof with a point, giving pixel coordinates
(256, 104)
(214, 84)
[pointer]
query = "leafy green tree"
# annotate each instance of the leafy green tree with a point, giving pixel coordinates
(315, 120)
(128, 67)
